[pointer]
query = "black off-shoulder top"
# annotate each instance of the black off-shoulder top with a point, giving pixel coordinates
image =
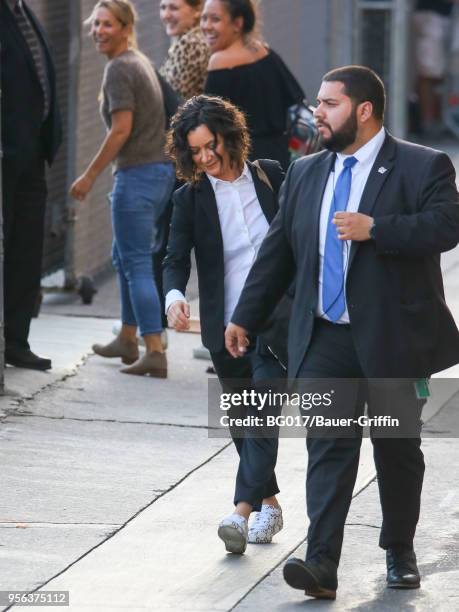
(264, 90)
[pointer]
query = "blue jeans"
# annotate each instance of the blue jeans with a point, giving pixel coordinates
(139, 195)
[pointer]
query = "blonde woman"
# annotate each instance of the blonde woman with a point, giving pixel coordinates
(132, 109)
(185, 67)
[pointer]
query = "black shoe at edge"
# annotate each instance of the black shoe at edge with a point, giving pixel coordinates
(24, 358)
(317, 578)
(402, 570)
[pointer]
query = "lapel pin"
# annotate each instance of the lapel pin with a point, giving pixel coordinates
(382, 170)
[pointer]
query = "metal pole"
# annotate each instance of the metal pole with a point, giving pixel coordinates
(342, 23)
(74, 75)
(2, 317)
(398, 103)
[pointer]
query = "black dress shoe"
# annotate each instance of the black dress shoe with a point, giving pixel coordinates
(402, 571)
(316, 578)
(24, 358)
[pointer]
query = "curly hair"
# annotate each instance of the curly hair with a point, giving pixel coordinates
(221, 118)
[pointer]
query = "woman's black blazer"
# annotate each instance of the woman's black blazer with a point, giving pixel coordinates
(195, 225)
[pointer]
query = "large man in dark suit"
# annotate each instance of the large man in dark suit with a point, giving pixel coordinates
(31, 134)
(361, 228)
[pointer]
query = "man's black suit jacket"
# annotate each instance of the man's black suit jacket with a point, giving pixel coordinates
(23, 128)
(400, 323)
(195, 224)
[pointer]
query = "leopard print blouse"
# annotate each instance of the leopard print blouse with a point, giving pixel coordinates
(186, 64)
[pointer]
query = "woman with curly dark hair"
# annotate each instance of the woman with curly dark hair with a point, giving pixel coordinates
(223, 212)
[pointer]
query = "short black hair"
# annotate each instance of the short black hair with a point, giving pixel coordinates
(221, 118)
(361, 84)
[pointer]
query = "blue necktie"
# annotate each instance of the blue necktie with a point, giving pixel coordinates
(333, 298)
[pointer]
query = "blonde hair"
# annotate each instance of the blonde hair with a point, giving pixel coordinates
(124, 12)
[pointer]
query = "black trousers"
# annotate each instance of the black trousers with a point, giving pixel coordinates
(333, 461)
(24, 202)
(159, 253)
(256, 478)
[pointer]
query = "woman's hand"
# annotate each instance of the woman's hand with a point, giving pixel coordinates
(113, 143)
(236, 340)
(81, 187)
(178, 316)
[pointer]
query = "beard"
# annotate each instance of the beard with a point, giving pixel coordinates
(343, 137)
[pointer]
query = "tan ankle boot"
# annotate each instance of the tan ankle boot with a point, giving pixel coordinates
(128, 351)
(153, 364)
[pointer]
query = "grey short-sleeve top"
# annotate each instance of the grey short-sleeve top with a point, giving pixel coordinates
(130, 83)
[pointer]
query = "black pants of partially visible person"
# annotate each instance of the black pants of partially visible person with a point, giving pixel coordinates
(333, 461)
(160, 249)
(159, 254)
(256, 478)
(24, 203)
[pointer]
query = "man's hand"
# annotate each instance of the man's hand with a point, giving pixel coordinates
(81, 187)
(178, 316)
(353, 226)
(236, 340)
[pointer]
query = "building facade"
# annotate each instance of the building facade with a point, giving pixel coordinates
(311, 35)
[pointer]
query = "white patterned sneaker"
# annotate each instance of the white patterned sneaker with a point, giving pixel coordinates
(265, 525)
(233, 531)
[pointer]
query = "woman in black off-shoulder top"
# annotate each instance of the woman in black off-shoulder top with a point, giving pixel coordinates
(251, 76)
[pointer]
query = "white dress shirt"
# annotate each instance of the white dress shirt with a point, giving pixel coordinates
(243, 226)
(366, 157)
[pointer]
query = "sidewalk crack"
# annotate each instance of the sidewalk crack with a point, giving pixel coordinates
(7, 524)
(133, 517)
(15, 403)
(121, 422)
(285, 557)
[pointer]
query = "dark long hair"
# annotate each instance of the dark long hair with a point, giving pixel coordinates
(221, 118)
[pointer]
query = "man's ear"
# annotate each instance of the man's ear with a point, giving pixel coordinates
(364, 112)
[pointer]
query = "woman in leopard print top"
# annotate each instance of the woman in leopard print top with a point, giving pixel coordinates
(186, 63)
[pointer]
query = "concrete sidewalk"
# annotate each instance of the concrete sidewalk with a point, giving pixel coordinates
(112, 487)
